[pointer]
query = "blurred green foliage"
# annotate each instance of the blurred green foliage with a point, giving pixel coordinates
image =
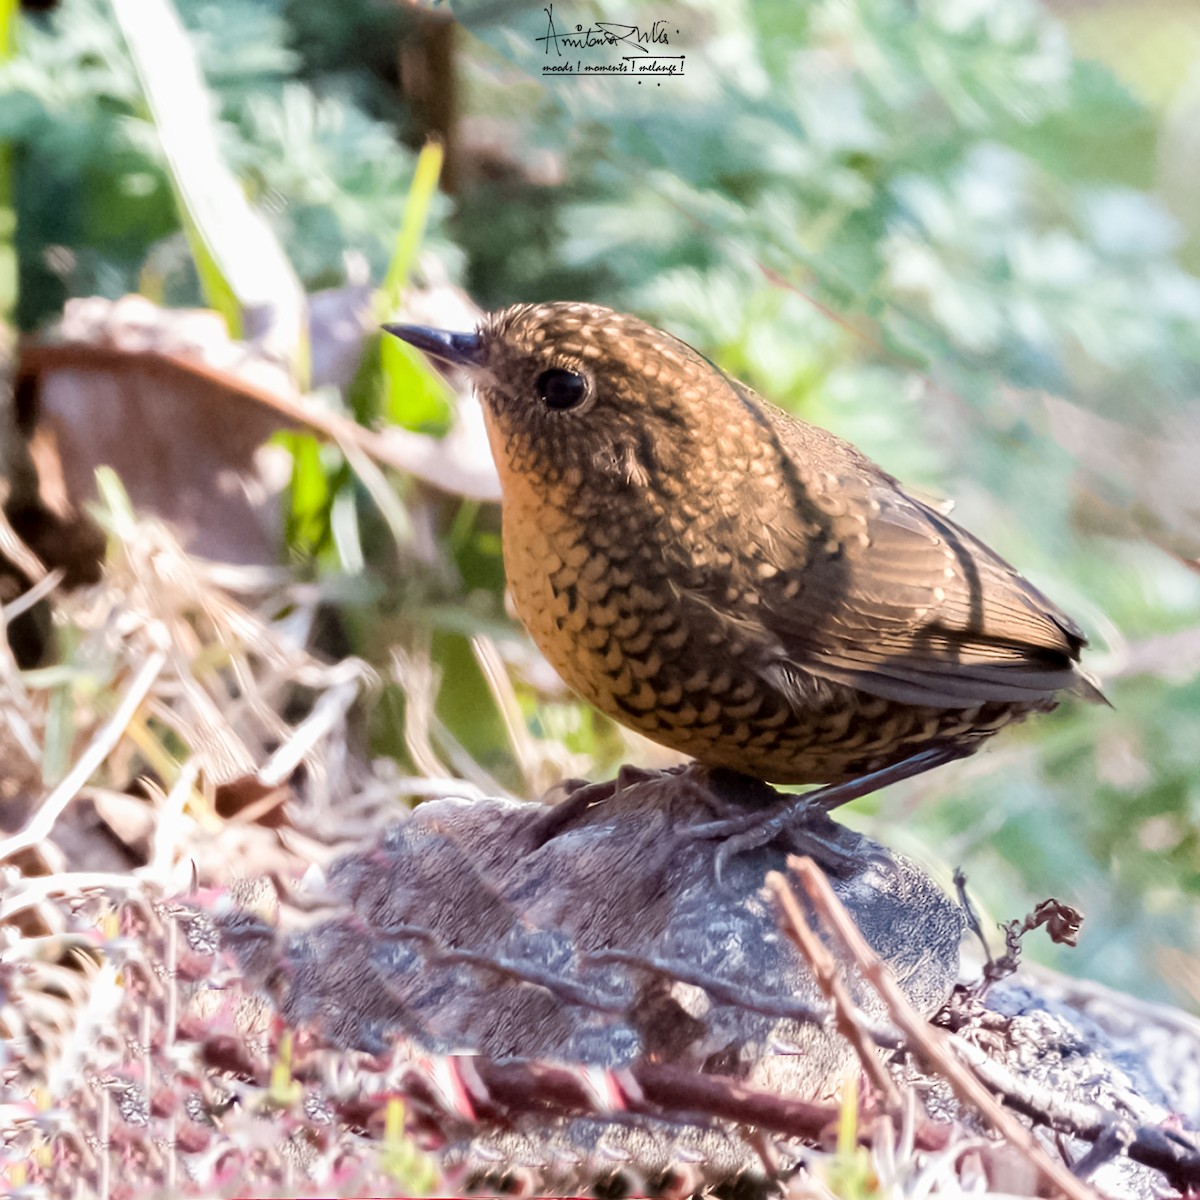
(927, 226)
(96, 209)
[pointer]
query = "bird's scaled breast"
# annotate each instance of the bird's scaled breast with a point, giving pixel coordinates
(593, 599)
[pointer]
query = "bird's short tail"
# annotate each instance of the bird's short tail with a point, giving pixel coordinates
(1088, 686)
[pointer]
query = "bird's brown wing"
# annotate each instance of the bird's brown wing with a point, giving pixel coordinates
(876, 590)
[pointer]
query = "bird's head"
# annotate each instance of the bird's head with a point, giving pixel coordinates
(577, 391)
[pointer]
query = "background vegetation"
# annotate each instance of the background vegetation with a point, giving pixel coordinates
(933, 228)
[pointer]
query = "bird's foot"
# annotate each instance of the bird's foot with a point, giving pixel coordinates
(803, 824)
(764, 815)
(797, 815)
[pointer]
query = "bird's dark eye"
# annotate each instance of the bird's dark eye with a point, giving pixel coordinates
(560, 389)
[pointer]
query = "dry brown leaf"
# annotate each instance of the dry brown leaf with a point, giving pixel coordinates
(181, 413)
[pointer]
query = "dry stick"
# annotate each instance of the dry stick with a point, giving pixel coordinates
(481, 1090)
(648, 1089)
(509, 707)
(667, 1088)
(168, 832)
(101, 746)
(831, 979)
(31, 890)
(723, 991)
(930, 1044)
(416, 674)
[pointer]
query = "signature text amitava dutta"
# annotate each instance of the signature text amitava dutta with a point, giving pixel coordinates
(610, 48)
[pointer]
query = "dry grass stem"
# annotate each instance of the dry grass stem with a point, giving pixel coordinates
(34, 595)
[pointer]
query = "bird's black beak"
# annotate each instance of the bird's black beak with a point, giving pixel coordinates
(461, 349)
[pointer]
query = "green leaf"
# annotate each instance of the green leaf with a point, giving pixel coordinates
(413, 395)
(311, 493)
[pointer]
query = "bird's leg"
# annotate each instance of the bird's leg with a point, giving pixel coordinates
(755, 829)
(778, 816)
(578, 797)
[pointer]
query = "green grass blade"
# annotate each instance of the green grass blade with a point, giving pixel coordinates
(311, 493)
(413, 395)
(243, 269)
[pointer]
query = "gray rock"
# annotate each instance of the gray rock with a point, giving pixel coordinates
(464, 935)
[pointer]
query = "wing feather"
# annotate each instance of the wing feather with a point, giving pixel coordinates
(874, 589)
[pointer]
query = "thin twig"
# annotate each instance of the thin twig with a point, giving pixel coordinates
(521, 971)
(414, 671)
(724, 991)
(509, 708)
(33, 889)
(651, 1089)
(461, 759)
(930, 1044)
(969, 913)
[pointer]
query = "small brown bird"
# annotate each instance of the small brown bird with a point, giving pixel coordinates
(732, 582)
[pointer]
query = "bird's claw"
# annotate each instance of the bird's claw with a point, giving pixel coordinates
(742, 835)
(752, 831)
